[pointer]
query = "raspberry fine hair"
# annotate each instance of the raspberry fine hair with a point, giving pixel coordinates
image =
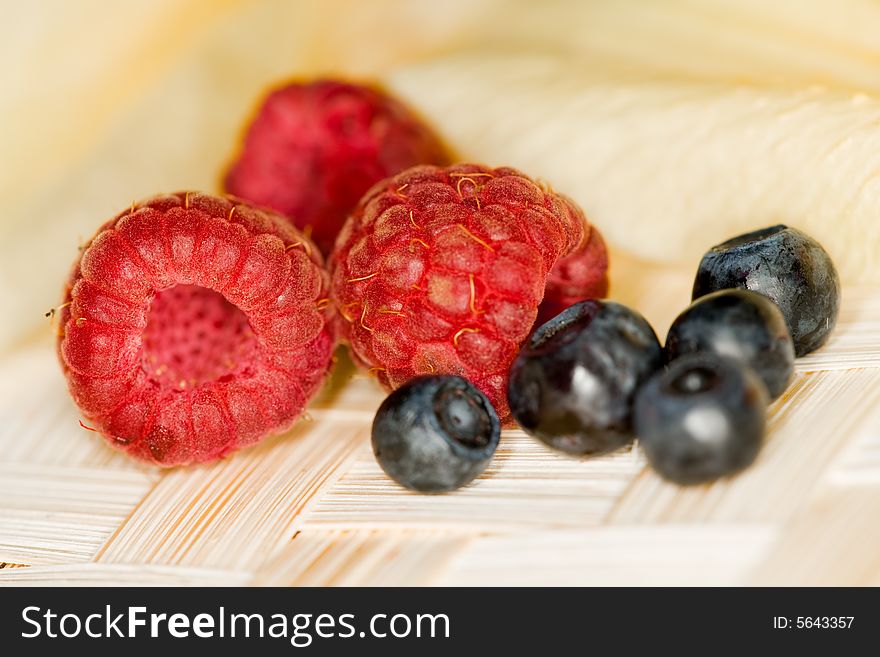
(441, 271)
(194, 325)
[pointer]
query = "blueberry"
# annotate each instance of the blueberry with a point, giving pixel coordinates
(789, 267)
(739, 324)
(435, 433)
(702, 418)
(573, 383)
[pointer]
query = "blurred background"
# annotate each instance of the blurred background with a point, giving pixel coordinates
(674, 123)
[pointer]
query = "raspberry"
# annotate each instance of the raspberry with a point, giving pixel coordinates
(314, 149)
(442, 271)
(194, 325)
(581, 276)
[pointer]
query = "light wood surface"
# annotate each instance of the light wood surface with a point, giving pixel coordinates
(312, 506)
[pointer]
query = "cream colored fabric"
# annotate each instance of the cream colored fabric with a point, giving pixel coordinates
(674, 123)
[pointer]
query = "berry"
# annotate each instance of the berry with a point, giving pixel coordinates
(435, 433)
(789, 267)
(313, 150)
(442, 270)
(574, 381)
(577, 277)
(739, 324)
(194, 325)
(701, 419)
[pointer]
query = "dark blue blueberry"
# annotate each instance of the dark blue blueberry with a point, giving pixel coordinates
(573, 383)
(702, 418)
(741, 325)
(435, 433)
(789, 267)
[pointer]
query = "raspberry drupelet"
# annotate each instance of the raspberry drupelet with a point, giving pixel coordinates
(313, 149)
(577, 277)
(194, 325)
(442, 270)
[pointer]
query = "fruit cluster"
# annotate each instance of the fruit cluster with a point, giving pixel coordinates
(195, 324)
(595, 377)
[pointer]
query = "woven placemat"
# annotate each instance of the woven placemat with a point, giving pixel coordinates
(312, 507)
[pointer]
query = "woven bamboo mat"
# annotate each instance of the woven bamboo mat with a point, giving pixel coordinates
(312, 507)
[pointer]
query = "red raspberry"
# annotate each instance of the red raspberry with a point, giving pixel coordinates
(577, 277)
(442, 270)
(194, 325)
(314, 149)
